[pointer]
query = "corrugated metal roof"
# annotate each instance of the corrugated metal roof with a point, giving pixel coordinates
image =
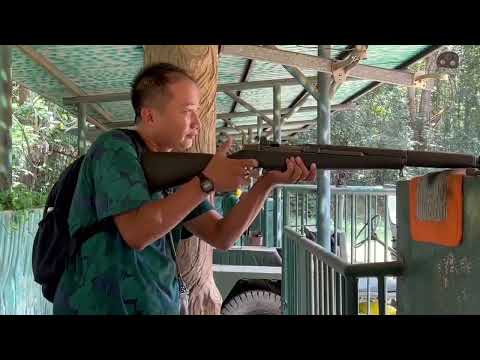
(99, 69)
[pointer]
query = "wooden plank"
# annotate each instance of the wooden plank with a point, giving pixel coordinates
(289, 58)
(284, 111)
(82, 127)
(64, 80)
(249, 107)
(260, 84)
(111, 97)
(248, 85)
(293, 110)
(296, 123)
(285, 133)
(245, 76)
(297, 74)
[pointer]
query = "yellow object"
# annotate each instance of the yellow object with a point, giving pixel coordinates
(238, 193)
(363, 309)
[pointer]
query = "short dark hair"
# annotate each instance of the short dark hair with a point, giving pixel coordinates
(153, 79)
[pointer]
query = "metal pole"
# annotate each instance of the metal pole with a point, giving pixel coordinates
(277, 131)
(82, 129)
(323, 137)
(264, 212)
(5, 117)
(259, 128)
(250, 135)
(381, 295)
(285, 244)
(385, 235)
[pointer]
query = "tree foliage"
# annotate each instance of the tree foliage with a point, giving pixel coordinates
(41, 148)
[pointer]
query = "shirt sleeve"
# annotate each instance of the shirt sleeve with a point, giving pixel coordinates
(118, 178)
(181, 232)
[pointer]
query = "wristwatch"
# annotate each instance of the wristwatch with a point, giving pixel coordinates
(205, 183)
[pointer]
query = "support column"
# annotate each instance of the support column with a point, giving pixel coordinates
(264, 212)
(250, 135)
(259, 128)
(277, 194)
(323, 137)
(195, 256)
(82, 129)
(5, 117)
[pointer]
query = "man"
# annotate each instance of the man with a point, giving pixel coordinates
(130, 269)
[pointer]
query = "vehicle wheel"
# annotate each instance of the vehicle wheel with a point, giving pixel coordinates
(255, 302)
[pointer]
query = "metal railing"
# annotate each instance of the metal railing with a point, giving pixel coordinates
(362, 223)
(318, 282)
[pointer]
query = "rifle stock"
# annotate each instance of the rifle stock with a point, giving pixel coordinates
(164, 170)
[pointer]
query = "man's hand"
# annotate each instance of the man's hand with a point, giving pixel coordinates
(229, 174)
(296, 171)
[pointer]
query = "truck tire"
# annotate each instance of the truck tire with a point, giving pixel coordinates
(254, 302)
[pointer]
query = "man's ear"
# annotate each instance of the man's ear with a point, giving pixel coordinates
(146, 115)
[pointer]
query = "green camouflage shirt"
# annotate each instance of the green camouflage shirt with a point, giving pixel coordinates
(107, 276)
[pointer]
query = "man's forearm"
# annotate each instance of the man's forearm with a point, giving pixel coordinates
(242, 215)
(143, 226)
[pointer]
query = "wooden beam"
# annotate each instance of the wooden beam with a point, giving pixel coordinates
(293, 110)
(297, 74)
(82, 129)
(249, 107)
(248, 85)
(64, 80)
(112, 97)
(340, 107)
(125, 96)
(302, 97)
(226, 116)
(260, 84)
(289, 58)
(403, 65)
(286, 125)
(284, 134)
(245, 76)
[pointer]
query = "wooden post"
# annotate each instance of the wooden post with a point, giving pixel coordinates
(5, 117)
(82, 129)
(195, 256)
(259, 128)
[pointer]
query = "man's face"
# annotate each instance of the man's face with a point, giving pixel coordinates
(174, 121)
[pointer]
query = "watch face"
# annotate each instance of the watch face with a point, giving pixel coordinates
(207, 185)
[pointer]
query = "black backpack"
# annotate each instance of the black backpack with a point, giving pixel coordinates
(53, 246)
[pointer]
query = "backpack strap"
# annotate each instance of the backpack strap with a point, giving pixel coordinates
(183, 286)
(137, 140)
(106, 224)
(86, 233)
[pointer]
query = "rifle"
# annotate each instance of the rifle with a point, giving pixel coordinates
(164, 170)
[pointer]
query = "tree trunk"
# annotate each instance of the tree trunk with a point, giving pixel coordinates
(195, 256)
(23, 94)
(420, 118)
(412, 110)
(426, 106)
